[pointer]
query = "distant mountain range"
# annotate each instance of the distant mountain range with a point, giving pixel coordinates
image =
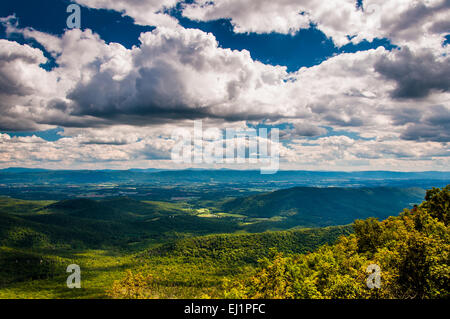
(172, 177)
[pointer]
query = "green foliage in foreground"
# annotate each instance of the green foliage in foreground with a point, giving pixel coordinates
(412, 251)
(197, 267)
(192, 267)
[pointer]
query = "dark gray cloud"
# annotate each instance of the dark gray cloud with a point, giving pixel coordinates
(416, 75)
(149, 95)
(433, 126)
(302, 130)
(338, 119)
(402, 116)
(441, 26)
(14, 123)
(424, 132)
(406, 24)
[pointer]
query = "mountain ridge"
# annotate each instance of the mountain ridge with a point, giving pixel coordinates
(315, 206)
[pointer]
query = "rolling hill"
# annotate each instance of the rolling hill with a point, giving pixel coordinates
(87, 223)
(252, 247)
(184, 251)
(318, 207)
(122, 221)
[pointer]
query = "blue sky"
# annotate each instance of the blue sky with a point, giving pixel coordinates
(372, 100)
(306, 48)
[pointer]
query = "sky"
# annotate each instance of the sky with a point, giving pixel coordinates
(350, 85)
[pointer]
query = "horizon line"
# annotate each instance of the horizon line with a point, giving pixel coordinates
(209, 169)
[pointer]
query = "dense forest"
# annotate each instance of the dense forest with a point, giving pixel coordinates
(146, 249)
(411, 252)
(319, 207)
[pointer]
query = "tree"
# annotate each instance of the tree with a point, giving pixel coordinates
(412, 251)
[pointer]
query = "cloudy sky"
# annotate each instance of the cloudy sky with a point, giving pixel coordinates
(351, 85)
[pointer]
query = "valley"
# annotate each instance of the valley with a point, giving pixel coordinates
(185, 241)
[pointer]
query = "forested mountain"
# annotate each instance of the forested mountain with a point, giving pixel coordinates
(250, 248)
(97, 223)
(90, 223)
(139, 249)
(312, 206)
(410, 254)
